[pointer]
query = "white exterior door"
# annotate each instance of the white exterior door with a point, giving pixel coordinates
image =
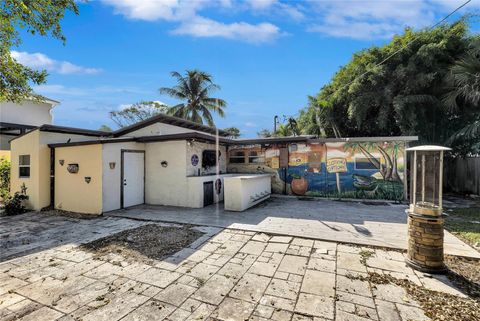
(133, 178)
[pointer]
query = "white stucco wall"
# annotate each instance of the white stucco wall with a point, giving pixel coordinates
(26, 113)
(166, 185)
(196, 148)
(112, 177)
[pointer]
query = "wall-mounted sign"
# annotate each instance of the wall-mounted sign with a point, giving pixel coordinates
(336, 165)
(112, 165)
(88, 179)
(194, 159)
(61, 162)
(72, 168)
(164, 163)
(218, 185)
(276, 162)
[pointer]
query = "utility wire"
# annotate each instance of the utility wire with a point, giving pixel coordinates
(407, 44)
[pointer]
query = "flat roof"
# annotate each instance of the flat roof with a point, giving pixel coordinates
(171, 120)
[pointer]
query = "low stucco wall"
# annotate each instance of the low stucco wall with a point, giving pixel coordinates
(72, 192)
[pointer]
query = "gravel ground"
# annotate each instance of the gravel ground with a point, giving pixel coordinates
(465, 273)
(145, 243)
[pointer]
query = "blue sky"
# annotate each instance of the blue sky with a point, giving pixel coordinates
(267, 55)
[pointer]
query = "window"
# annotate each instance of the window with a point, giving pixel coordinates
(237, 157)
(365, 163)
(209, 158)
(24, 166)
(255, 157)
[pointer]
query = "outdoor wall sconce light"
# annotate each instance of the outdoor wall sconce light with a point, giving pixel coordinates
(112, 165)
(61, 162)
(164, 163)
(72, 168)
(88, 179)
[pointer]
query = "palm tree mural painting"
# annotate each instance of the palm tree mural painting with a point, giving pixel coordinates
(391, 181)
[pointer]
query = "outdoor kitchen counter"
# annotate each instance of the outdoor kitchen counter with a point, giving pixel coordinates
(244, 191)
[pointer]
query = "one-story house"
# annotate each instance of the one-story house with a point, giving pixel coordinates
(166, 160)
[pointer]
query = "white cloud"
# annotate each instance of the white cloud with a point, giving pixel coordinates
(250, 125)
(42, 61)
(376, 19)
(205, 28)
(185, 13)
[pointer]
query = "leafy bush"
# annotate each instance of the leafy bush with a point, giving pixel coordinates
(14, 204)
(4, 177)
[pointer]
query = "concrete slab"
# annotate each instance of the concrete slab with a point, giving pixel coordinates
(338, 221)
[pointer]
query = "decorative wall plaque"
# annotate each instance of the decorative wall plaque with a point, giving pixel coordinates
(72, 168)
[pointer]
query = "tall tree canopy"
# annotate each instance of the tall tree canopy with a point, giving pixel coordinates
(233, 131)
(40, 17)
(194, 88)
(405, 95)
(137, 112)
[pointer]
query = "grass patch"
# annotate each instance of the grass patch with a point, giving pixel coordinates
(465, 223)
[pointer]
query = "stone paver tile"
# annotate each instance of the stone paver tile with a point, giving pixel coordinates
(264, 311)
(262, 237)
(175, 294)
(231, 270)
(210, 247)
(202, 312)
(103, 271)
(229, 247)
(199, 256)
(295, 278)
(315, 305)
(393, 293)
(440, 283)
(203, 271)
(283, 289)
(302, 242)
(250, 287)
(344, 316)
(387, 311)
(281, 275)
(354, 286)
(179, 315)
(282, 315)
(390, 265)
(157, 277)
(319, 283)
(332, 246)
(150, 310)
(42, 314)
(349, 248)
(299, 250)
(411, 313)
(190, 305)
(151, 291)
(276, 247)
(117, 307)
(345, 306)
(73, 255)
(263, 268)
(253, 247)
(350, 261)
(277, 303)
(214, 290)
(234, 310)
(366, 312)
(355, 298)
(76, 299)
(241, 238)
(8, 299)
(219, 261)
(320, 264)
(301, 317)
(221, 237)
(293, 264)
(280, 239)
(10, 283)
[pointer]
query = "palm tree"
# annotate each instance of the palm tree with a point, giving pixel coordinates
(194, 89)
(464, 83)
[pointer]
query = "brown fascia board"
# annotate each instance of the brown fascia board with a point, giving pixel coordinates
(365, 139)
(272, 140)
(171, 120)
(73, 130)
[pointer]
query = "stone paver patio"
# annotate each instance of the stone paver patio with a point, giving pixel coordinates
(227, 274)
(341, 221)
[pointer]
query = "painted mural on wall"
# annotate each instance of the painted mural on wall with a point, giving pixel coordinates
(367, 170)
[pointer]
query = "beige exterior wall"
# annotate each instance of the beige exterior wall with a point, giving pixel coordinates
(159, 129)
(27, 145)
(166, 185)
(72, 192)
(196, 148)
(112, 177)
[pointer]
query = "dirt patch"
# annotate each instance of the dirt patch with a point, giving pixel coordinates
(145, 243)
(465, 274)
(437, 305)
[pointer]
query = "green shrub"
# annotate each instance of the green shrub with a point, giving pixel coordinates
(14, 204)
(4, 177)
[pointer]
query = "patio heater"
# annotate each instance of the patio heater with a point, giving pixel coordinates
(425, 216)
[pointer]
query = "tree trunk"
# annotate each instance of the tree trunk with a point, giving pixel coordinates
(373, 160)
(388, 161)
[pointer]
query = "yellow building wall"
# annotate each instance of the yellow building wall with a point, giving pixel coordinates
(72, 192)
(27, 145)
(5, 154)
